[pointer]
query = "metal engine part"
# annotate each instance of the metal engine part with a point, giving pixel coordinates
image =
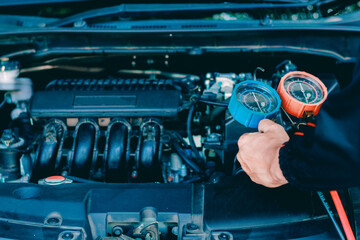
(10, 156)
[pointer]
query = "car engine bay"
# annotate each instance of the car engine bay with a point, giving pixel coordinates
(134, 126)
(144, 146)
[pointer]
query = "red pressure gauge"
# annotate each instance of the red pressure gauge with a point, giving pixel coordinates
(302, 94)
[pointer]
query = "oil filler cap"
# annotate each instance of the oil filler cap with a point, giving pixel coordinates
(54, 180)
(252, 101)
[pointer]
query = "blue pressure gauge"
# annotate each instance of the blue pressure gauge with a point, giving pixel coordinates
(252, 101)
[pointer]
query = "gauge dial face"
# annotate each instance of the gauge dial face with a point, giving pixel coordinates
(256, 98)
(304, 89)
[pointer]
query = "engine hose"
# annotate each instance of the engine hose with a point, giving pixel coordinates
(80, 180)
(192, 180)
(180, 138)
(183, 156)
(217, 104)
(189, 134)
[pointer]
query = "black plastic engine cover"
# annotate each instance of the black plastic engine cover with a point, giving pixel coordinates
(107, 98)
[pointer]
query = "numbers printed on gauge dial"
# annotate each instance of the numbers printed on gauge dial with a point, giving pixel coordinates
(304, 89)
(256, 98)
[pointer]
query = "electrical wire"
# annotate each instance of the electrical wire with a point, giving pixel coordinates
(342, 215)
(331, 215)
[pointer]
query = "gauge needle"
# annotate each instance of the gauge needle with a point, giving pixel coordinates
(257, 102)
(302, 90)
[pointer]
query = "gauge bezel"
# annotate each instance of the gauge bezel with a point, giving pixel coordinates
(246, 116)
(292, 105)
(307, 76)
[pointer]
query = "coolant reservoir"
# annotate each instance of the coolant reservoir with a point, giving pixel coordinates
(20, 89)
(9, 71)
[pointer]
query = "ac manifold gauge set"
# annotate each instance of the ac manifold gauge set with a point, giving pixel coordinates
(299, 94)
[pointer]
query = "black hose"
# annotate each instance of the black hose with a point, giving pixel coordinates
(80, 180)
(277, 67)
(3, 103)
(183, 156)
(189, 134)
(218, 104)
(192, 180)
(237, 170)
(179, 137)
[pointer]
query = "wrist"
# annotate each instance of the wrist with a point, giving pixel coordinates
(277, 171)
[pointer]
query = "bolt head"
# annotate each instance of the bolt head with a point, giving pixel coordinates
(224, 236)
(117, 231)
(67, 236)
(192, 227)
(53, 221)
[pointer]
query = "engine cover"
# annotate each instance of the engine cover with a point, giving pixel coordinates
(107, 98)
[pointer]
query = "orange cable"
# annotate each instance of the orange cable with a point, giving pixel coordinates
(342, 215)
(311, 124)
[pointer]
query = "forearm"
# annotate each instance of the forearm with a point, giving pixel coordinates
(324, 158)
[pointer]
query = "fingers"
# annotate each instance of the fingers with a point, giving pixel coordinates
(267, 125)
(243, 164)
(275, 130)
(242, 139)
(262, 179)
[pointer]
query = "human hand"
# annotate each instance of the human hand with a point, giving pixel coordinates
(259, 154)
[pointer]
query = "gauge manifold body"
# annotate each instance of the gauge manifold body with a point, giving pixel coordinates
(252, 101)
(301, 93)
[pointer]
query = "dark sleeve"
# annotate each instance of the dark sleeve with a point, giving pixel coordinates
(328, 156)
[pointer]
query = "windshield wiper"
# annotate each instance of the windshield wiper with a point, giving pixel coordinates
(131, 10)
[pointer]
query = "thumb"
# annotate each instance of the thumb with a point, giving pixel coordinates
(267, 125)
(273, 129)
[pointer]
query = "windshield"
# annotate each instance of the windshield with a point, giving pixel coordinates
(288, 10)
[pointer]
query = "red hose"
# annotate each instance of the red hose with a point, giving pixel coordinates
(342, 214)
